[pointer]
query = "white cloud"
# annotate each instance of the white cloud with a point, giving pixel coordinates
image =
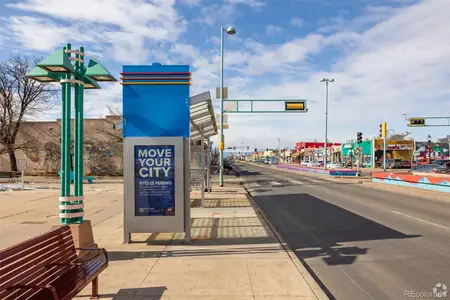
(400, 65)
(386, 62)
(191, 2)
(298, 22)
(251, 3)
(273, 30)
(127, 30)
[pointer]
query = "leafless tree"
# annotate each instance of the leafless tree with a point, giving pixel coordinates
(19, 97)
(115, 116)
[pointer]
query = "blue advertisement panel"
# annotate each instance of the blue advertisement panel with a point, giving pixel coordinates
(154, 180)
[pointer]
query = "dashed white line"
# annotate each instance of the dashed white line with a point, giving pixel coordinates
(420, 220)
(315, 180)
(296, 182)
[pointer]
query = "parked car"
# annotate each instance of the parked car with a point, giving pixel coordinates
(441, 169)
(392, 163)
(333, 165)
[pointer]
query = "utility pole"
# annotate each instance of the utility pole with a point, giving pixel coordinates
(383, 134)
(326, 80)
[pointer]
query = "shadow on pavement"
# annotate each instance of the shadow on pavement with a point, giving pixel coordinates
(223, 203)
(150, 293)
(316, 228)
(192, 252)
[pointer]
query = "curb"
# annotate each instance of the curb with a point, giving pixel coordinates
(319, 289)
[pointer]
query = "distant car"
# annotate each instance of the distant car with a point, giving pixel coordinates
(390, 164)
(406, 164)
(441, 170)
(333, 165)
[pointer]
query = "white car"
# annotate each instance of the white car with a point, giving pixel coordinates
(333, 165)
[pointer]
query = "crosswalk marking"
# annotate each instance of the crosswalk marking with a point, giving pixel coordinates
(314, 180)
(275, 183)
(254, 184)
(296, 181)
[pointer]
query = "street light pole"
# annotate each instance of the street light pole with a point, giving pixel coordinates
(230, 30)
(326, 80)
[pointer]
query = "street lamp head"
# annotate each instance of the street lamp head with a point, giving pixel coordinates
(323, 80)
(42, 75)
(231, 30)
(97, 72)
(57, 62)
(332, 80)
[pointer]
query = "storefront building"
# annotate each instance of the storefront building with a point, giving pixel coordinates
(313, 151)
(403, 150)
(348, 153)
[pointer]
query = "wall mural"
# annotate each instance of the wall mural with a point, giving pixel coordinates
(437, 151)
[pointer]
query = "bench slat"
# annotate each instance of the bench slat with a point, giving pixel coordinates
(13, 273)
(22, 250)
(41, 250)
(62, 231)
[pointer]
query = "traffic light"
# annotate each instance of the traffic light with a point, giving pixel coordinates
(359, 137)
(256, 150)
(248, 148)
(416, 122)
(383, 130)
(234, 147)
(295, 105)
(267, 149)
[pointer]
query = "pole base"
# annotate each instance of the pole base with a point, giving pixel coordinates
(83, 237)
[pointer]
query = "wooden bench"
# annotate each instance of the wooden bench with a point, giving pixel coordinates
(10, 175)
(48, 267)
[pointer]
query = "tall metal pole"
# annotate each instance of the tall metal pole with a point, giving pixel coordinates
(78, 134)
(384, 154)
(65, 140)
(76, 155)
(326, 128)
(221, 107)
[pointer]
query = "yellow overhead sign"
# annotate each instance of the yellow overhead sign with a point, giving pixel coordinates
(297, 105)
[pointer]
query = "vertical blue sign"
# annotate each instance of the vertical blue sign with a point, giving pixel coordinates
(154, 180)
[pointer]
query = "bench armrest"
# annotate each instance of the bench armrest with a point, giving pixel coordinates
(103, 250)
(36, 287)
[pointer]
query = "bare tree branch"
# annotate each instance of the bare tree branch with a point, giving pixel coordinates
(19, 97)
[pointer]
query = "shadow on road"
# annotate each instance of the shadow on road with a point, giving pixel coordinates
(316, 228)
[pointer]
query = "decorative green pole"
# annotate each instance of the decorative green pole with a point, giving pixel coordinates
(78, 133)
(65, 139)
(58, 68)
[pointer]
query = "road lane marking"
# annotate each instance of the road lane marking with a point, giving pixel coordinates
(275, 183)
(254, 184)
(314, 180)
(296, 182)
(420, 220)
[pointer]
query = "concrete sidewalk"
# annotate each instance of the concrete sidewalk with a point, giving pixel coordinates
(234, 254)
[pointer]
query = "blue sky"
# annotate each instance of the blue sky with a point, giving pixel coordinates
(388, 57)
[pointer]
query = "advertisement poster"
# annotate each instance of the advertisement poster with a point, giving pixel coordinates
(154, 180)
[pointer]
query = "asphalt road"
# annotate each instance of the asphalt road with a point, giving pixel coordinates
(359, 242)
